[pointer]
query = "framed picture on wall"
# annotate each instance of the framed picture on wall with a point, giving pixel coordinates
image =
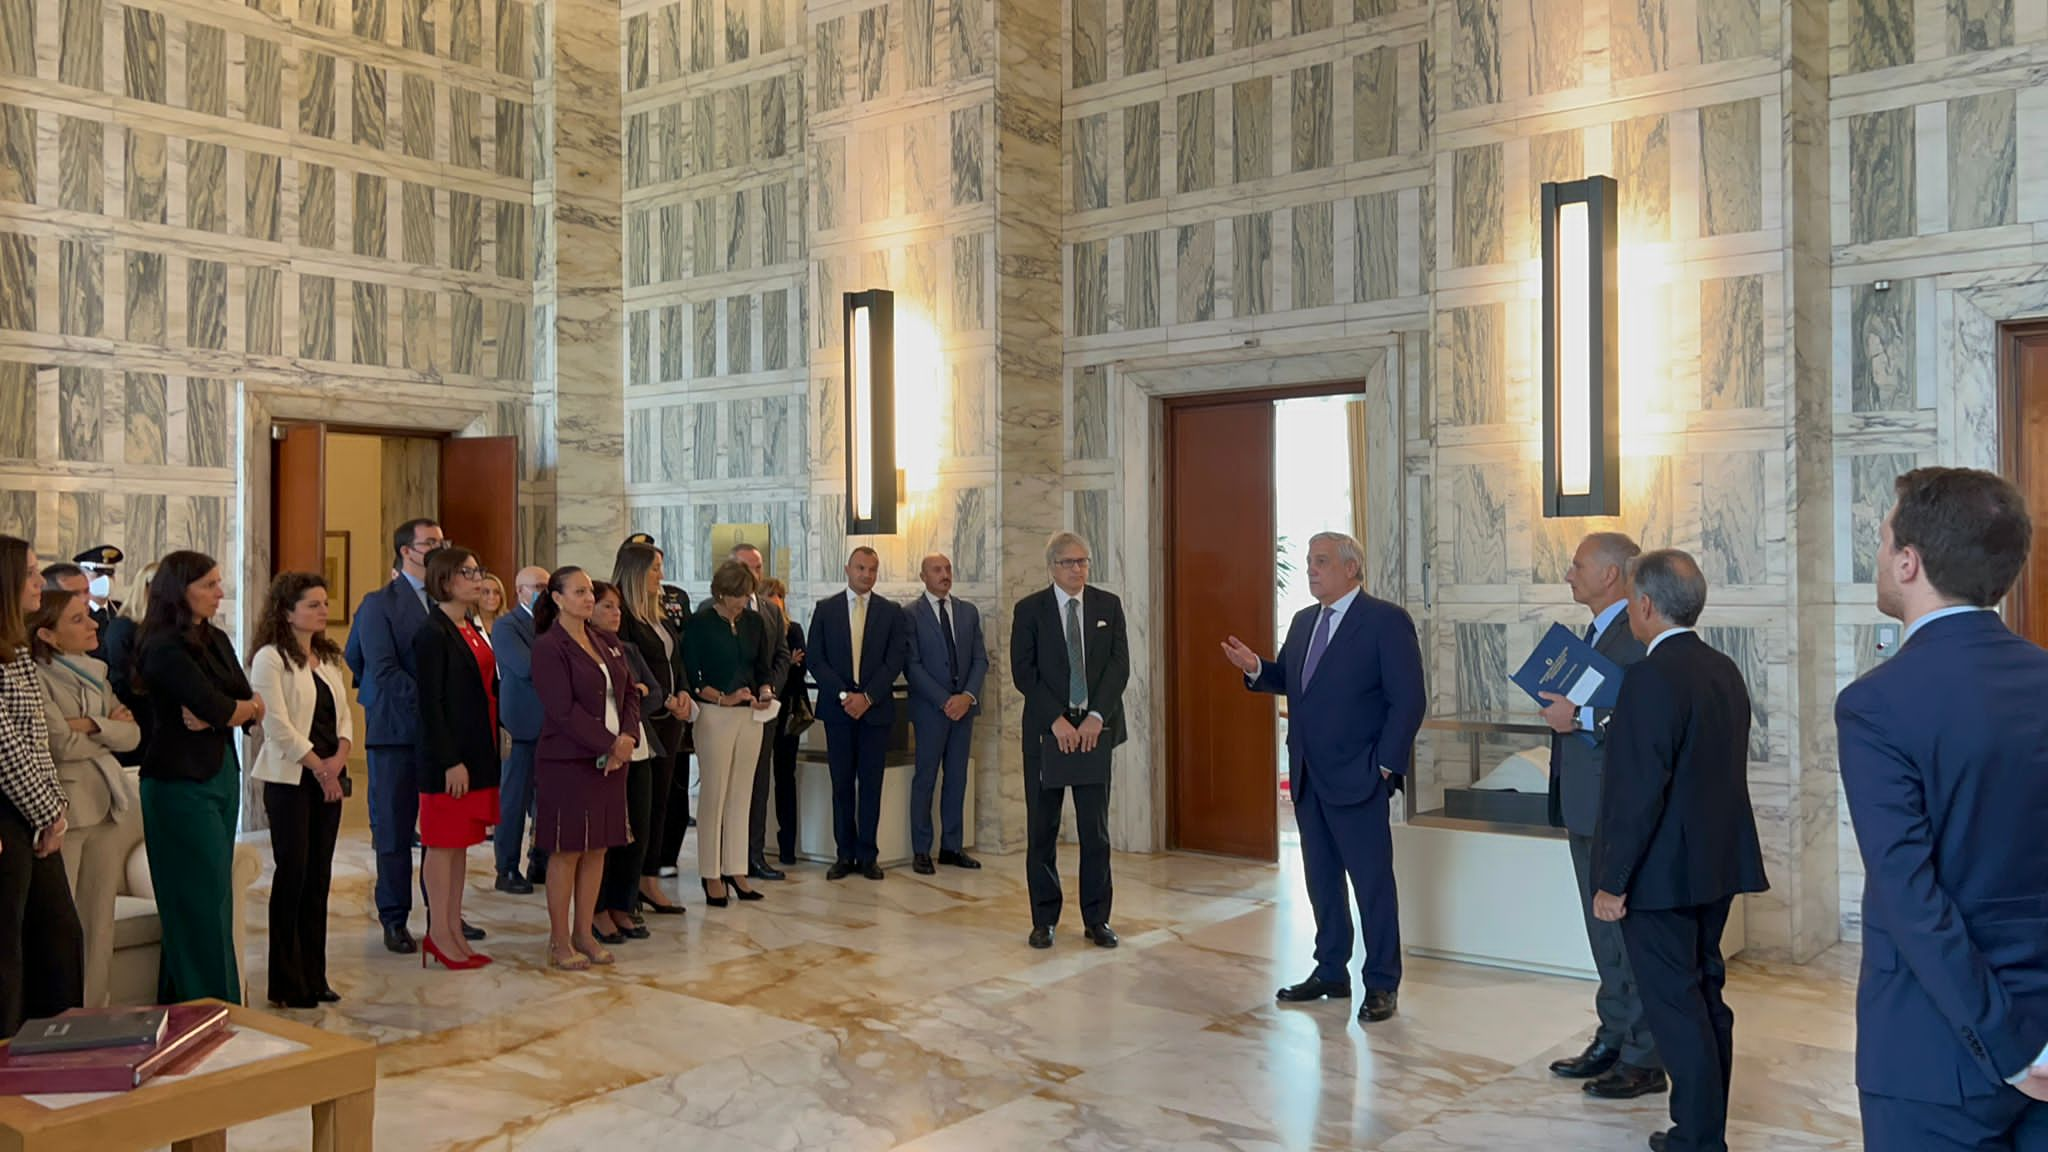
(726, 537)
(334, 567)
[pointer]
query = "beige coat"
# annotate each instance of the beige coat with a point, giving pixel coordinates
(93, 780)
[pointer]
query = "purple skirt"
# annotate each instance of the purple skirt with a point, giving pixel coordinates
(578, 808)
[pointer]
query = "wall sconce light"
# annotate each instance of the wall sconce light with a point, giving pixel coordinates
(871, 475)
(1581, 410)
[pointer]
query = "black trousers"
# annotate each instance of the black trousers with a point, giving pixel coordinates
(1043, 807)
(620, 889)
(303, 827)
(675, 817)
(764, 769)
(1676, 954)
(42, 946)
(669, 734)
(785, 794)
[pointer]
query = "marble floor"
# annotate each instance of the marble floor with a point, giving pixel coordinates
(910, 1014)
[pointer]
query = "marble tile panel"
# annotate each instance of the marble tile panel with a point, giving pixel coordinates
(515, 56)
(1883, 337)
(1092, 521)
(78, 517)
(1195, 140)
(1251, 22)
(142, 33)
(1478, 226)
(81, 165)
(416, 117)
(1141, 281)
(465, 31)
(145, 520)
(417, 220)
(1089, 37)
(873, 77)
(263, 82)
(969, 39)
(739, 334)
(704, 340)
(1556, 45)
(206, 304)
(81, 287)
(1091, 287)
(1089, 161)
(465, 232)
(1880, 33)
(18, 513)
(206, 186)
(514, 244)
(416, 25)
(638, 71)
(737, 219)
(369, 336)
(316, 205)
(1732, 343)
(199, 523)
(1729, 29)
(771, 122)
(1314, 262)
(1376, 247)
(1251, 280)
(1251, 129)
(967, 156)
(1195, 272)
(1314, 106)
(776, 247)
(970, 283)
(1981, 161)
(515, 349)
(1979, 25)
(262, 211)
(1140, 30)
(465, 129)
(143, 420)
(1475, 79)
(1472, 354)
(144, 298)
(1871, 496)
(1732, 519)
(1554, 157)
(209, 439)
(512, 138)
(368, 229)
(1091, 414)
(17, 154)
(368, 18)
(1195, 29)
(828, 70)
(1141, 152)
(420, 330)
(703, 47)
(263, 312)
(316, 317)
(17, 415)
(671, 344)
(1731, 168)
(738, 36)
(206, 69)
(735, 128)
(81, 397)
(1375, 105)
(1642, 161)
(1482, 668)
(81, 55)
(1313, 16)
(316, 94)
(18, 49)
(144, 169)
(1638, 41)
(1749, 648)
(465, 334)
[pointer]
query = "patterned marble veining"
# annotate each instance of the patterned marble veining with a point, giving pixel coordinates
(1731, 168)
(1556, 44)
(1140, 29)
(1881, 34)
(1639, 41)
(1252, 264)
(1478, 225)
(1732, 522)
(1642, 161)
(1881, 175)
(1475, 54)
(1314, 146)
(1979, 25)
(1375, 105)
(1870, 499)
(1251, 129)
(1195, 277)
(1472, 344)
(1314, 255)
(1141, 281)
(1982, 139)
(1375, 236)
(1732, 343)
(1883, 339)
(79, 401)
(1195, 140)
(1195, 29)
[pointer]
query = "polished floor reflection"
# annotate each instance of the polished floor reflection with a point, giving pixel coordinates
(910, 1014)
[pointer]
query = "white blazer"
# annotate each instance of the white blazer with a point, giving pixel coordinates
(288, 701)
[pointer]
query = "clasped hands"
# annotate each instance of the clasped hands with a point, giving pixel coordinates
(328, 773)
(1083, 738)
(744, 697)
(957, 705)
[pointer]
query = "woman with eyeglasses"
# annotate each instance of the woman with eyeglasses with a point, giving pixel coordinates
(42, 951)
(457, 675)
(191, 776)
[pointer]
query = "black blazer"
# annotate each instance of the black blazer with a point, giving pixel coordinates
(202, 675)
(666, 669)
(1038, 660)
(454, 708)
(1676, 829)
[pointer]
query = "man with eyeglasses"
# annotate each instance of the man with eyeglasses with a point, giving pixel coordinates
(1071, 658)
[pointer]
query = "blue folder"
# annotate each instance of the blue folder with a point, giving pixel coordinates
(1565, 664)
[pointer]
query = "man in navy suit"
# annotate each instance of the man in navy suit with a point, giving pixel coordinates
(1944, 754)
(948, 662)
(519, 716)
(382, 635)
(1351, 670)
(859, 644)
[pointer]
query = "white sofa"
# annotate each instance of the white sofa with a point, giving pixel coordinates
(138, 933)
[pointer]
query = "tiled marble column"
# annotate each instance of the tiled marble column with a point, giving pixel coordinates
(581, 94)
(1029, 329)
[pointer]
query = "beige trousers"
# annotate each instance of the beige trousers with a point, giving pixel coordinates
(96, 862)
(728, 744)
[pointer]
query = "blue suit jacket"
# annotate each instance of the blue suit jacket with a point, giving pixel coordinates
(883, 653)
(1944, 754)
(518, 703)
(930, 680)
(386, 621)
(1363, 708)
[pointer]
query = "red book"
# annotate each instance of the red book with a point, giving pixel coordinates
(190, 1029)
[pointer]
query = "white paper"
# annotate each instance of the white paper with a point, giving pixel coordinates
(1588, 683)
(244, 1046)
(764, 715)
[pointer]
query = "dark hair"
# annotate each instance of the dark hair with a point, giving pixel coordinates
(1673, 582)
(14, 580)
(545, 610)
(55, 601)
(168, 612)
(274, 626)
(732, 579)
(62, 570)
(441, 569)
(743, 546)
(599, 589)
(864, 550)
(401, 538)
(629, 573)
(773, 589)
(1970, 528)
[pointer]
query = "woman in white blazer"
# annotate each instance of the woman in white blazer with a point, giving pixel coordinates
(88, 727)
(303, 764)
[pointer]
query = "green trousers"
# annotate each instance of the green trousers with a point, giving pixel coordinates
(189, 829)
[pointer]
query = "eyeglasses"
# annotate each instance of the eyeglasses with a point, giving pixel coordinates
(1071, 563)
(430, 545)
(472, 572)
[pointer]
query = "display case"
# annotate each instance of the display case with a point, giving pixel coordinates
(1502, 776)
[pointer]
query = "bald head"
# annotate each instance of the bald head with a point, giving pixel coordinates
(527, 584)
(936, 570)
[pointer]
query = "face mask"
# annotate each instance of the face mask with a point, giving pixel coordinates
(101, 587)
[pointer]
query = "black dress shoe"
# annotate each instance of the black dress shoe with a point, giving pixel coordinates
(788, 860)
(922, 865)
(872, 870)
(762, 871)
(609, 938)
(1659, 1141)
(1378, 1006)
(1598, 1057)
(959, 860)
(471, 932)
(514, 883)
(1041, 936)
(1626, 1082)
(839, 870)
(635, 932)
(716, 901)
(1100, 936)
(739, 893)
(328, 996)
(1314, 989)
(398, 939)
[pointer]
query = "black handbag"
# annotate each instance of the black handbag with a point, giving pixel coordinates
(800, 715)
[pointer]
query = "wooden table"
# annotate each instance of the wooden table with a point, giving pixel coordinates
(335, 1076)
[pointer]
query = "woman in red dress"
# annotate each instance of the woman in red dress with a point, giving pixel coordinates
(458, 759)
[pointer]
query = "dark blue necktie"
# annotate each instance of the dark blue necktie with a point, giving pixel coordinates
(952, 647)
(1317, 647)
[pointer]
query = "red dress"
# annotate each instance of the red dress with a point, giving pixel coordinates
(461, 822)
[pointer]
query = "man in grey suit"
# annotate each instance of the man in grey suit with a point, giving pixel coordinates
(764, 767)
(948, 662)
(1622, 1061)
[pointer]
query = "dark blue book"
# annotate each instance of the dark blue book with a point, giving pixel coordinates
(1566, 665)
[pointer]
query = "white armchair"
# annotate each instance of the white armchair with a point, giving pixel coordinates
(138, 933)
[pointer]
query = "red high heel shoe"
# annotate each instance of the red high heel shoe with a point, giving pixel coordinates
(429, 948)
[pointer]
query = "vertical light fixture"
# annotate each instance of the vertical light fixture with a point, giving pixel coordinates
(1581, 399)
(870, 330)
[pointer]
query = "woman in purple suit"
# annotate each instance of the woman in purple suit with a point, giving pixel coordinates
(590, 713)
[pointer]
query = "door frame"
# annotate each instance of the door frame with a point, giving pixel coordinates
(2012, 454)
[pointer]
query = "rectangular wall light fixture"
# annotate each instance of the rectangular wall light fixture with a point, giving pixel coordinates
(1581, 410)
(871, 475)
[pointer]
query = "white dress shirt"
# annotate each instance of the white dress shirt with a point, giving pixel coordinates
(1601, 624)
(1666, 634)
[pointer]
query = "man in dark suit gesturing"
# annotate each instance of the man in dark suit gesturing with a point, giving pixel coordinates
(1945, 764)
(1351, 670)
(1676, 841)
(859, 643)
(1071, 658)
(1621, 1063)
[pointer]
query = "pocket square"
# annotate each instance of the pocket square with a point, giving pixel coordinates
(1102, 623)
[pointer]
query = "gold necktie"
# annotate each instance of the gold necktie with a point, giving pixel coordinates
(860, 629)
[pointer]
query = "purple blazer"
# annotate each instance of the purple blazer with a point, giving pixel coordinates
(571, 691)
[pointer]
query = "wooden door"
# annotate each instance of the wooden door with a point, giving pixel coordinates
(1223, 764)
(298, 499)
(2024, 419)
(480, 499)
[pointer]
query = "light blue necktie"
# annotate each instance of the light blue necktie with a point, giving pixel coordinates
(1317, 647)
